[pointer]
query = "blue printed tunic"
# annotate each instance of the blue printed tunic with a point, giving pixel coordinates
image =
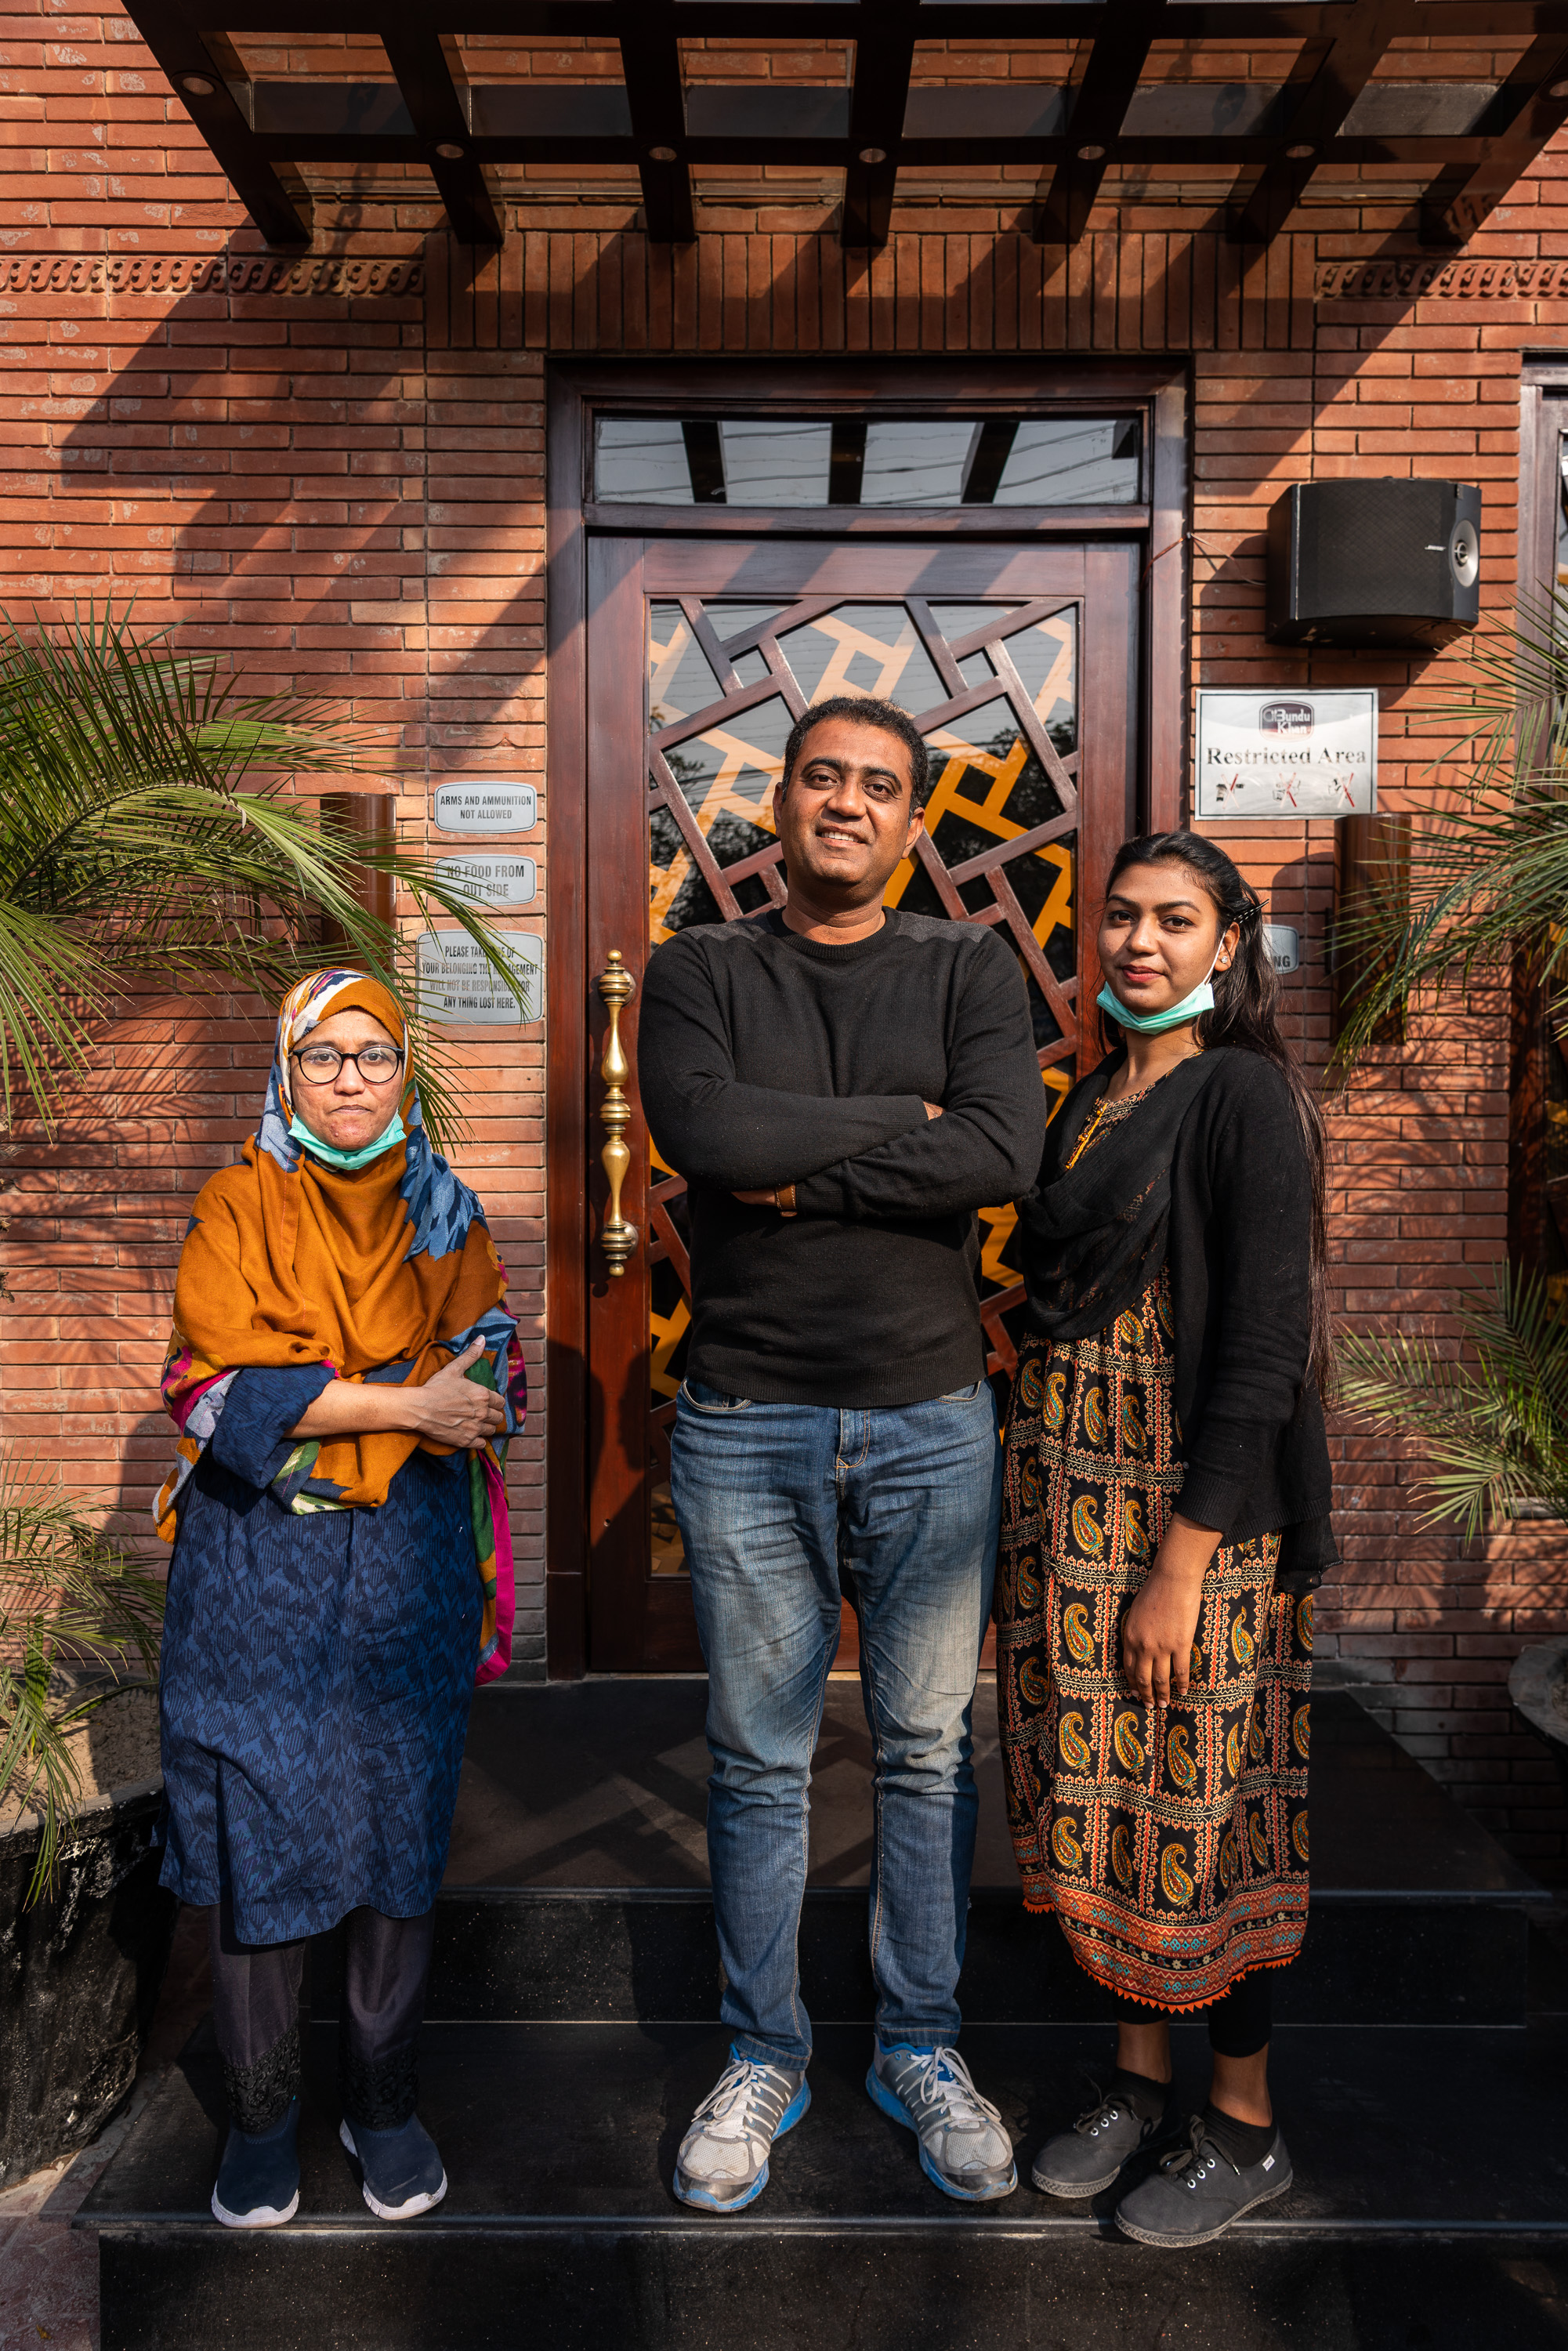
(317, 1677)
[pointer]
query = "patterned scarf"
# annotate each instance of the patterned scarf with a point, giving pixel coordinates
(383, 1273)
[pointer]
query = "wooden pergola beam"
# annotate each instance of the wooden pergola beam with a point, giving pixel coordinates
(1098, 107)
(884, 59)
(1315, 118)
(260, 132)
(418, 60)
(281, 212)
(1529, 107)
(650, 63)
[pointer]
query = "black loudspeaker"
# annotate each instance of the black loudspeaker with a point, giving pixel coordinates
(1375, 563)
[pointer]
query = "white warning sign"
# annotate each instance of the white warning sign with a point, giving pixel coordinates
(486, 804)
(490, 881)
(1289, 753)
(456, 985)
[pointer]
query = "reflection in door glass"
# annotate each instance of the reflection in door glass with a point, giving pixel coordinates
(1000, 838)
(919, 464)
(882, 461)
(1056, 462)
(642, 458)
(767, 463)
(863, 649)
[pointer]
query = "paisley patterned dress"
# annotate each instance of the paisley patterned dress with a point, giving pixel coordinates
(1170, 1840)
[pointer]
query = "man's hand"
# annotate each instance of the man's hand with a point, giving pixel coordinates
(1157, 1629)
(780, 1196)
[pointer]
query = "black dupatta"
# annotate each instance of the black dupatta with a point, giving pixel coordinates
(1094, 1235)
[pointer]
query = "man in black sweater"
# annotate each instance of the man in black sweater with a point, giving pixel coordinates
(842, 1086)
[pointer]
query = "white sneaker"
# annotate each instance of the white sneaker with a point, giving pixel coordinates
(963, 2148)
(723, 2162)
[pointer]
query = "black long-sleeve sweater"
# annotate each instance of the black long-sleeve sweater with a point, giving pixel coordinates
(1239, 1247)
(765, 1059)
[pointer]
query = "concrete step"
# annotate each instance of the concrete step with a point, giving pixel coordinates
(1430, 2206)
(578, 1882)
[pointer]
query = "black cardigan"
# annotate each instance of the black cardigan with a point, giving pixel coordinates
(1237, 1247)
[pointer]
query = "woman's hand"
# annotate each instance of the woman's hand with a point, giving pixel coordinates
(1157, 1629)
(456, 1410)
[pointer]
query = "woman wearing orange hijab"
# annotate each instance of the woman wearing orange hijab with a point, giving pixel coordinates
(344, 1376)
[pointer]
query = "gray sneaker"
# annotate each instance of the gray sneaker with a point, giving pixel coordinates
(723, 2162)
(1088, 2158)
(964, 2149)
(1197, 2192)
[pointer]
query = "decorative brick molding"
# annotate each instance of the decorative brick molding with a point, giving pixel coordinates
(1461, 280)
(162, 273)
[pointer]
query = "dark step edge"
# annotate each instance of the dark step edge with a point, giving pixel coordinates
(327, 2021)
(194, 2227)
(990, 1897)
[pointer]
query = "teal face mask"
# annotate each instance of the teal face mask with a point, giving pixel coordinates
(396, 1132)
(1153, 1024)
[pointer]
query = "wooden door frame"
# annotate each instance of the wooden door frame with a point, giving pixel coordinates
(977, 384)
(1543, 415)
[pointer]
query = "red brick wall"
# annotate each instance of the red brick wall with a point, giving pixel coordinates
(333, 471)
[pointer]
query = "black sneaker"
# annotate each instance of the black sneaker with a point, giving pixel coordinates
(258, 2178)
(399, 2170)
(1088, 2158)
(1198, 2192)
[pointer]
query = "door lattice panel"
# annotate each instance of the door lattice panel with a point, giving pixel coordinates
(994, 688)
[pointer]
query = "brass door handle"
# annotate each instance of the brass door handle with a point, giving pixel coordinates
(618, 1237)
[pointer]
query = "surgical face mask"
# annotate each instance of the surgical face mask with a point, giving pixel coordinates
(330, 1152)
(1153, 1024)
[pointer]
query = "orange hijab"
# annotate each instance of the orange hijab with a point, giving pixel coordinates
(291, 1260)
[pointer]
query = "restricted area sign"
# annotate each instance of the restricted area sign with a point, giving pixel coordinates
(1288, 753)
(456, 985)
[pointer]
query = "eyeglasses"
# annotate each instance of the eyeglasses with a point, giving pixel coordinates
(319, 1064)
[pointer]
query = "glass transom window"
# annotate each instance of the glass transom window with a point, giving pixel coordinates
(860, 461)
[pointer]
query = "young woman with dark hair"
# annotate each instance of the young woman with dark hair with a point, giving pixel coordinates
(1166, 1518)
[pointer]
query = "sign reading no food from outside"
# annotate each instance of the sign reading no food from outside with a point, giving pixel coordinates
(486, 804)
(1290, 754)
(456, 984)
(490, 881)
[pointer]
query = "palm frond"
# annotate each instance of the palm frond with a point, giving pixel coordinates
(1493, 1431)
(147, 830)
(69, 1597)
(1488, 868)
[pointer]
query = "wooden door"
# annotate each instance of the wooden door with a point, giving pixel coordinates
(1018, 665)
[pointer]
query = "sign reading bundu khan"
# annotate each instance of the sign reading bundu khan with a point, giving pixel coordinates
(1294, 752)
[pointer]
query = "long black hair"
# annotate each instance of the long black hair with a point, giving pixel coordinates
(1245, 1014)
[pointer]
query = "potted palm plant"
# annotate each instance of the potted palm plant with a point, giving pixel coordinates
(150, 839)
(1488, 883)
(84, 1927)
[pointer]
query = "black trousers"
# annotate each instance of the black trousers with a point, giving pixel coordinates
(256, 2017)
(1239, 2025)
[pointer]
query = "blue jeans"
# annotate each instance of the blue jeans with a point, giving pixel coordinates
(776, 1503)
